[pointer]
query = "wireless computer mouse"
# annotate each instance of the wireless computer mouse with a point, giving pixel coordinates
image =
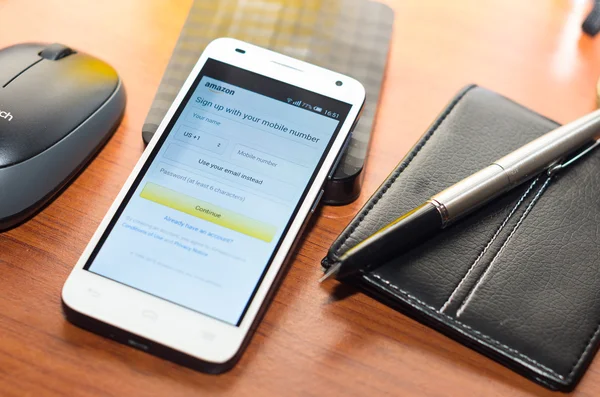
(58, 106)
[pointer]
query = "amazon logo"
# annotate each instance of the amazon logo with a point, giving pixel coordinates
(218, 89)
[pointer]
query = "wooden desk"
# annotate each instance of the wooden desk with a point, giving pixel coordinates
(529, 50)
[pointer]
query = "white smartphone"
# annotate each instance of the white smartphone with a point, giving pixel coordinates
(189, 254)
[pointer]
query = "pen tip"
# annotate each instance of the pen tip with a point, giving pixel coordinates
(333, 270)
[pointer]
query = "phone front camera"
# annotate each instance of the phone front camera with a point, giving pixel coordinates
(338, 83)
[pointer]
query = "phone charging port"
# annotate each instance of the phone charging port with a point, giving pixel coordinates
(138, 345)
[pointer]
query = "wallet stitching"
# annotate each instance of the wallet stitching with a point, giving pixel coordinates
(468, 328)
(381, 193)
(470, 296)
(585, 351)
(344, 237)
(512, 212)
(583, 354)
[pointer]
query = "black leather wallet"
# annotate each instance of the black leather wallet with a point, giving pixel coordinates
(519, 279)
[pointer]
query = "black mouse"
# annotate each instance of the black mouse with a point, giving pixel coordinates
(58, 106)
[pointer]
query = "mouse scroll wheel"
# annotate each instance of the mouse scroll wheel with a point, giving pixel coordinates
(56, 51)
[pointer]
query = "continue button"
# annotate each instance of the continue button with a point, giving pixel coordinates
(208, 212)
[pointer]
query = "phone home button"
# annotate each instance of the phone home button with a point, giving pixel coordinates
(207, 336)
(149, 315)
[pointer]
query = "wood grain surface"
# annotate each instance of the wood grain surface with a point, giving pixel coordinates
(308, 344)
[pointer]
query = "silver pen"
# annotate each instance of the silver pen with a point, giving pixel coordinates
(467, 195)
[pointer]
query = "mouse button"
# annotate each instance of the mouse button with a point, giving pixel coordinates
(56, 51)
(14, 60)
(53, 99)
(34, 123)
(81, 82)
(20, 128)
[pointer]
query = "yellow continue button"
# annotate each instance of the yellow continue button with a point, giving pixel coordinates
(208, 212)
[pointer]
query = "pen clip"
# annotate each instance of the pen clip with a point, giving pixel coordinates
(553, 169)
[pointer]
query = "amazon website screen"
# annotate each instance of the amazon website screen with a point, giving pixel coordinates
(205, 216)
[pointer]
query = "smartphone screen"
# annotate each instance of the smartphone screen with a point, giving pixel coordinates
(210, 207)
